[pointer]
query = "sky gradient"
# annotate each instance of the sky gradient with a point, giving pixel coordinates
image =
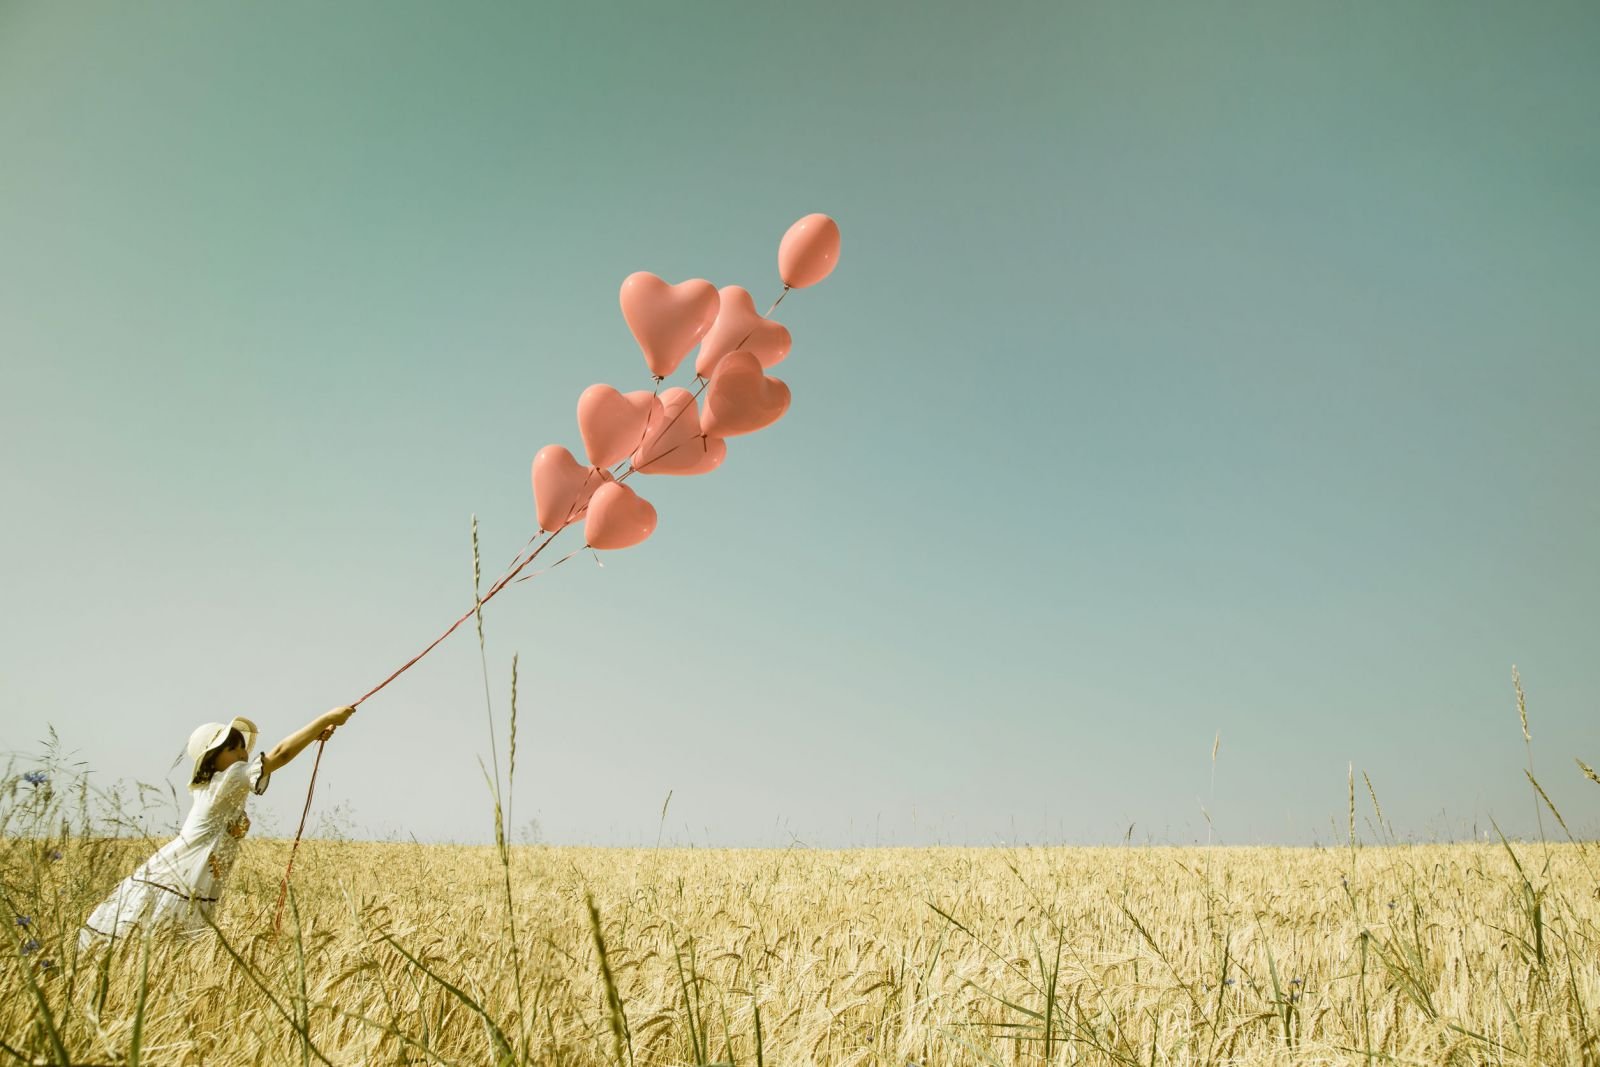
(1188, 368)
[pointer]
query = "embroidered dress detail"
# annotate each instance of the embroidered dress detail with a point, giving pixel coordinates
(176, 890)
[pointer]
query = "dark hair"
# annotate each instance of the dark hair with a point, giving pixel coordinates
(208, 766)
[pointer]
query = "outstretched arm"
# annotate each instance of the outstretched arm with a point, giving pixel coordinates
(320, 727)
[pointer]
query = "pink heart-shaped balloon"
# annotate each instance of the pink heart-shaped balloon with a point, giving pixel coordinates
(741, 398)
(739, 326)
(666, 445)
(699, 455)
(611, 423)
(713, 450)
(562, 487)
(667, 320)
(809, 251)
(618, 518)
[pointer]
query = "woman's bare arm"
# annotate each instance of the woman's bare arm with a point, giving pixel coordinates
(322, 726)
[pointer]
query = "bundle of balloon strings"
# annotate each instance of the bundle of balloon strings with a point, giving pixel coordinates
(651, 432)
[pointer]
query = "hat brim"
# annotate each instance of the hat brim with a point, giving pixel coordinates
(247, 730)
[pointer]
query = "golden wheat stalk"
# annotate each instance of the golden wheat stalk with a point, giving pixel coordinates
(1522, 702)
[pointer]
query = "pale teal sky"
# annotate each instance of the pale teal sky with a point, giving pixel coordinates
(1188, 368)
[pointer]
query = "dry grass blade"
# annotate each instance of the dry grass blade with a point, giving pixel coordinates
(621, 1036)
(47, 1018)
(1373, 793)
(500, 1045)
(136, 1039)
(1549, 804)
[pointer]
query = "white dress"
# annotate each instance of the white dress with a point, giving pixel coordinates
(176, 890)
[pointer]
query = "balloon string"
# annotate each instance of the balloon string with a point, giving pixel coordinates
(574, 511)
(283, 889)
(645, 432)
(518, 564)
(500, 584)
(553, 566)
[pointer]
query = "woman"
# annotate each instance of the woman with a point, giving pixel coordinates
(177, 889)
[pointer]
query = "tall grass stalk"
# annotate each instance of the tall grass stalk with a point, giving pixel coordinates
(502, 801)
(1385, 831)
(1350, 782)
(662, 825)
(689, 982)
(1211, 801)
(303, 1001)
(621, 1036)
(483, 660)
(136, 1038)
(1527, 742)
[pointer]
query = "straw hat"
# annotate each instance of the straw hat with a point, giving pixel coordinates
(211, 736)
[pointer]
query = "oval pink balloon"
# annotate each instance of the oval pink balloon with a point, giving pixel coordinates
(667, 320)
(618, 518)
(809, 251)
(666, 445)
(612, 423)
(739, 325)
(562, 487)
(741, 398)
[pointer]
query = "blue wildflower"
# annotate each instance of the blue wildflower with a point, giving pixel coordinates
(29, 947)
(24, 921)
(47, 965)
(1391, 905)
(36, 778)
(1296, 981)
(1227, 981)
(55, 854)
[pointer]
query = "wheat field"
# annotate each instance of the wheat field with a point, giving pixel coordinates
(402, 954)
